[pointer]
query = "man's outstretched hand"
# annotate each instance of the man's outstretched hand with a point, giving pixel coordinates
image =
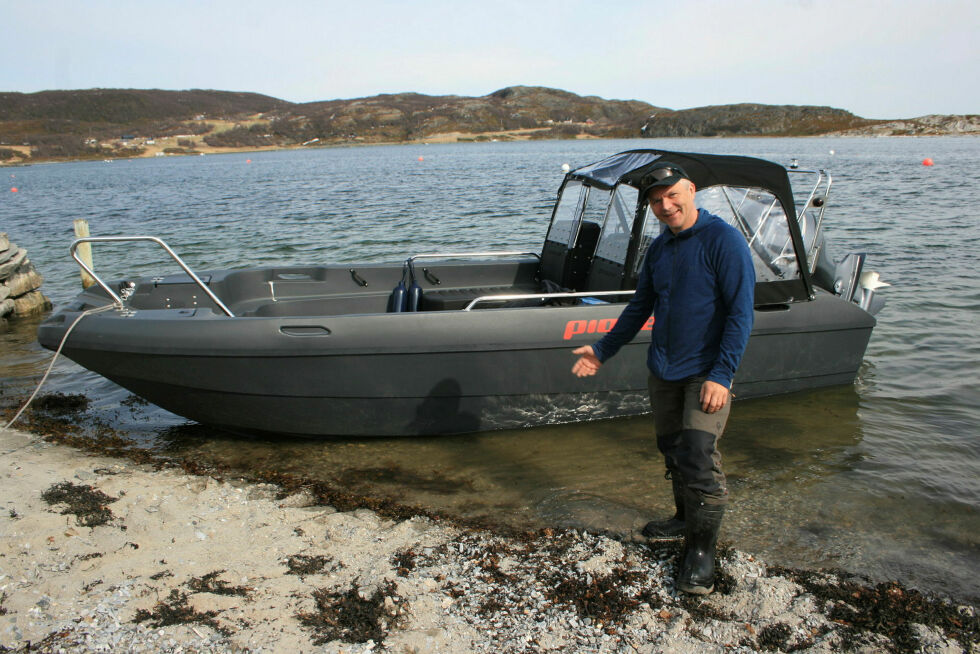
(588, 364)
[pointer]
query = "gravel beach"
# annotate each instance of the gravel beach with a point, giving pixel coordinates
(105, 554)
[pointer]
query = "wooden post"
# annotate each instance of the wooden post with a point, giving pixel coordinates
(84, 251)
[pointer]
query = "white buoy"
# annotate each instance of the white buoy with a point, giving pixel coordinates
(565, 167)
(831, 152)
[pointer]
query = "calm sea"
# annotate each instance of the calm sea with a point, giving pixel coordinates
(881, 477)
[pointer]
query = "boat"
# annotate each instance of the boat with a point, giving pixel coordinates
(459, 342)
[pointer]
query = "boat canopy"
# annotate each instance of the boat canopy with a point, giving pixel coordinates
(704, 169)
(753, 195)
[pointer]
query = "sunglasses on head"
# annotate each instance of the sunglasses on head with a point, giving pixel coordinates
(660, 174)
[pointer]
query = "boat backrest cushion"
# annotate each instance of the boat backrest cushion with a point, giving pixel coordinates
(568, 268)
(604, 275)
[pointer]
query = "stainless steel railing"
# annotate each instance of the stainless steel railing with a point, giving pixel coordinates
(542, 296)
(116, 239)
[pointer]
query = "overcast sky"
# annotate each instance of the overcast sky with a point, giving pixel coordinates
(878, 59)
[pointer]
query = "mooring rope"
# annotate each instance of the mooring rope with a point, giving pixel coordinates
(55, 358)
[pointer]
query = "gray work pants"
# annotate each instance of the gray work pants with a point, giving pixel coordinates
(688, 437)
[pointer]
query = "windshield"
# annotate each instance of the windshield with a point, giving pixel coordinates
(563, 225)
(618, 225)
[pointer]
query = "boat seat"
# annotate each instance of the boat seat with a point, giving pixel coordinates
(568, 267)
(605, 275)
(457, 298)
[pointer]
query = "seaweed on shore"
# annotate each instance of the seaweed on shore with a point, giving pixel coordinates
(304, 564)
(602, 598)
(87, 504)
(887, 608)
(175, 610)
(61, 404)
(404, 561)
(775, 637)
(210, 583)
(349, 617)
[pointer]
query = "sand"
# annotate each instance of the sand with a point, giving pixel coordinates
(154, 559)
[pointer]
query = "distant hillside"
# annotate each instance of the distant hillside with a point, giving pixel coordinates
(97, 123)
(753, 120)
(128, 106)
(78, 124)
(412, 116)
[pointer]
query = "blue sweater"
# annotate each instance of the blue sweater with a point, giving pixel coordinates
(699, 285)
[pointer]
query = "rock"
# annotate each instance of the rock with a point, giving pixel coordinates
(8, 253)
(31, 304)
(22, 282)
(4, 292)
(12, 262)
(6, 308)
(4, 241)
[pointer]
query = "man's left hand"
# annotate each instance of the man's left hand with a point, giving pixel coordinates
(714, 396)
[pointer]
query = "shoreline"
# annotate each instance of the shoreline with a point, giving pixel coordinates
(451, 138)
(156, 555)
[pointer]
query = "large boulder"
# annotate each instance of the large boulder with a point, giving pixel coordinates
(31, 304)
(22, 281)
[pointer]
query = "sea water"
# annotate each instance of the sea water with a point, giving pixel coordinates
(881, 477)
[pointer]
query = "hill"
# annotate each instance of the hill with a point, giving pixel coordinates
(753, 119)
(104, 123)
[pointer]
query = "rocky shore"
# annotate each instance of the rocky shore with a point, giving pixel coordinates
(20, 283)
(101, 553)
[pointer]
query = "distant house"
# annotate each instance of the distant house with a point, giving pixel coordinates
(127, 137)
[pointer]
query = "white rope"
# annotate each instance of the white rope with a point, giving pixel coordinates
(55, 358)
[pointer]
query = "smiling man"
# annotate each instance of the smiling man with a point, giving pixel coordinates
(698, 282)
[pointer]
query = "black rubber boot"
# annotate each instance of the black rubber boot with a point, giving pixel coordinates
(672, 528)
(697, 572)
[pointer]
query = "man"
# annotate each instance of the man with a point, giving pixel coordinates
(698, 282)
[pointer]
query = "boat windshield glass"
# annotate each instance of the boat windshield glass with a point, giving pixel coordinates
(760, 217)
(595, 205)
(618, 224)
(564, 224)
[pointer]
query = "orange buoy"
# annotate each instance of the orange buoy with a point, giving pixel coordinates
(13, 189)
(421, 158)
(248, 161)
(927, 162)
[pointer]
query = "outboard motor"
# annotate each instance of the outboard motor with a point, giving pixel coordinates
(868, 301)
(854, 285)
(846, 275)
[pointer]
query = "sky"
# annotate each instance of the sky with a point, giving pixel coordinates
(877, 59)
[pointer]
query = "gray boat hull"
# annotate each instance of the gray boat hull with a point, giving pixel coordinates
(428, 372)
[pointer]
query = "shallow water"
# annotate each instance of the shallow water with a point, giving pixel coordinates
(881, 477)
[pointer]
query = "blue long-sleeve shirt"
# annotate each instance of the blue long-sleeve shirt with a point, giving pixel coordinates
(699, 285)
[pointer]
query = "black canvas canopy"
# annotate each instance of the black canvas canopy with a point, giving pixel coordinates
(708, 170)
(705, 170)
